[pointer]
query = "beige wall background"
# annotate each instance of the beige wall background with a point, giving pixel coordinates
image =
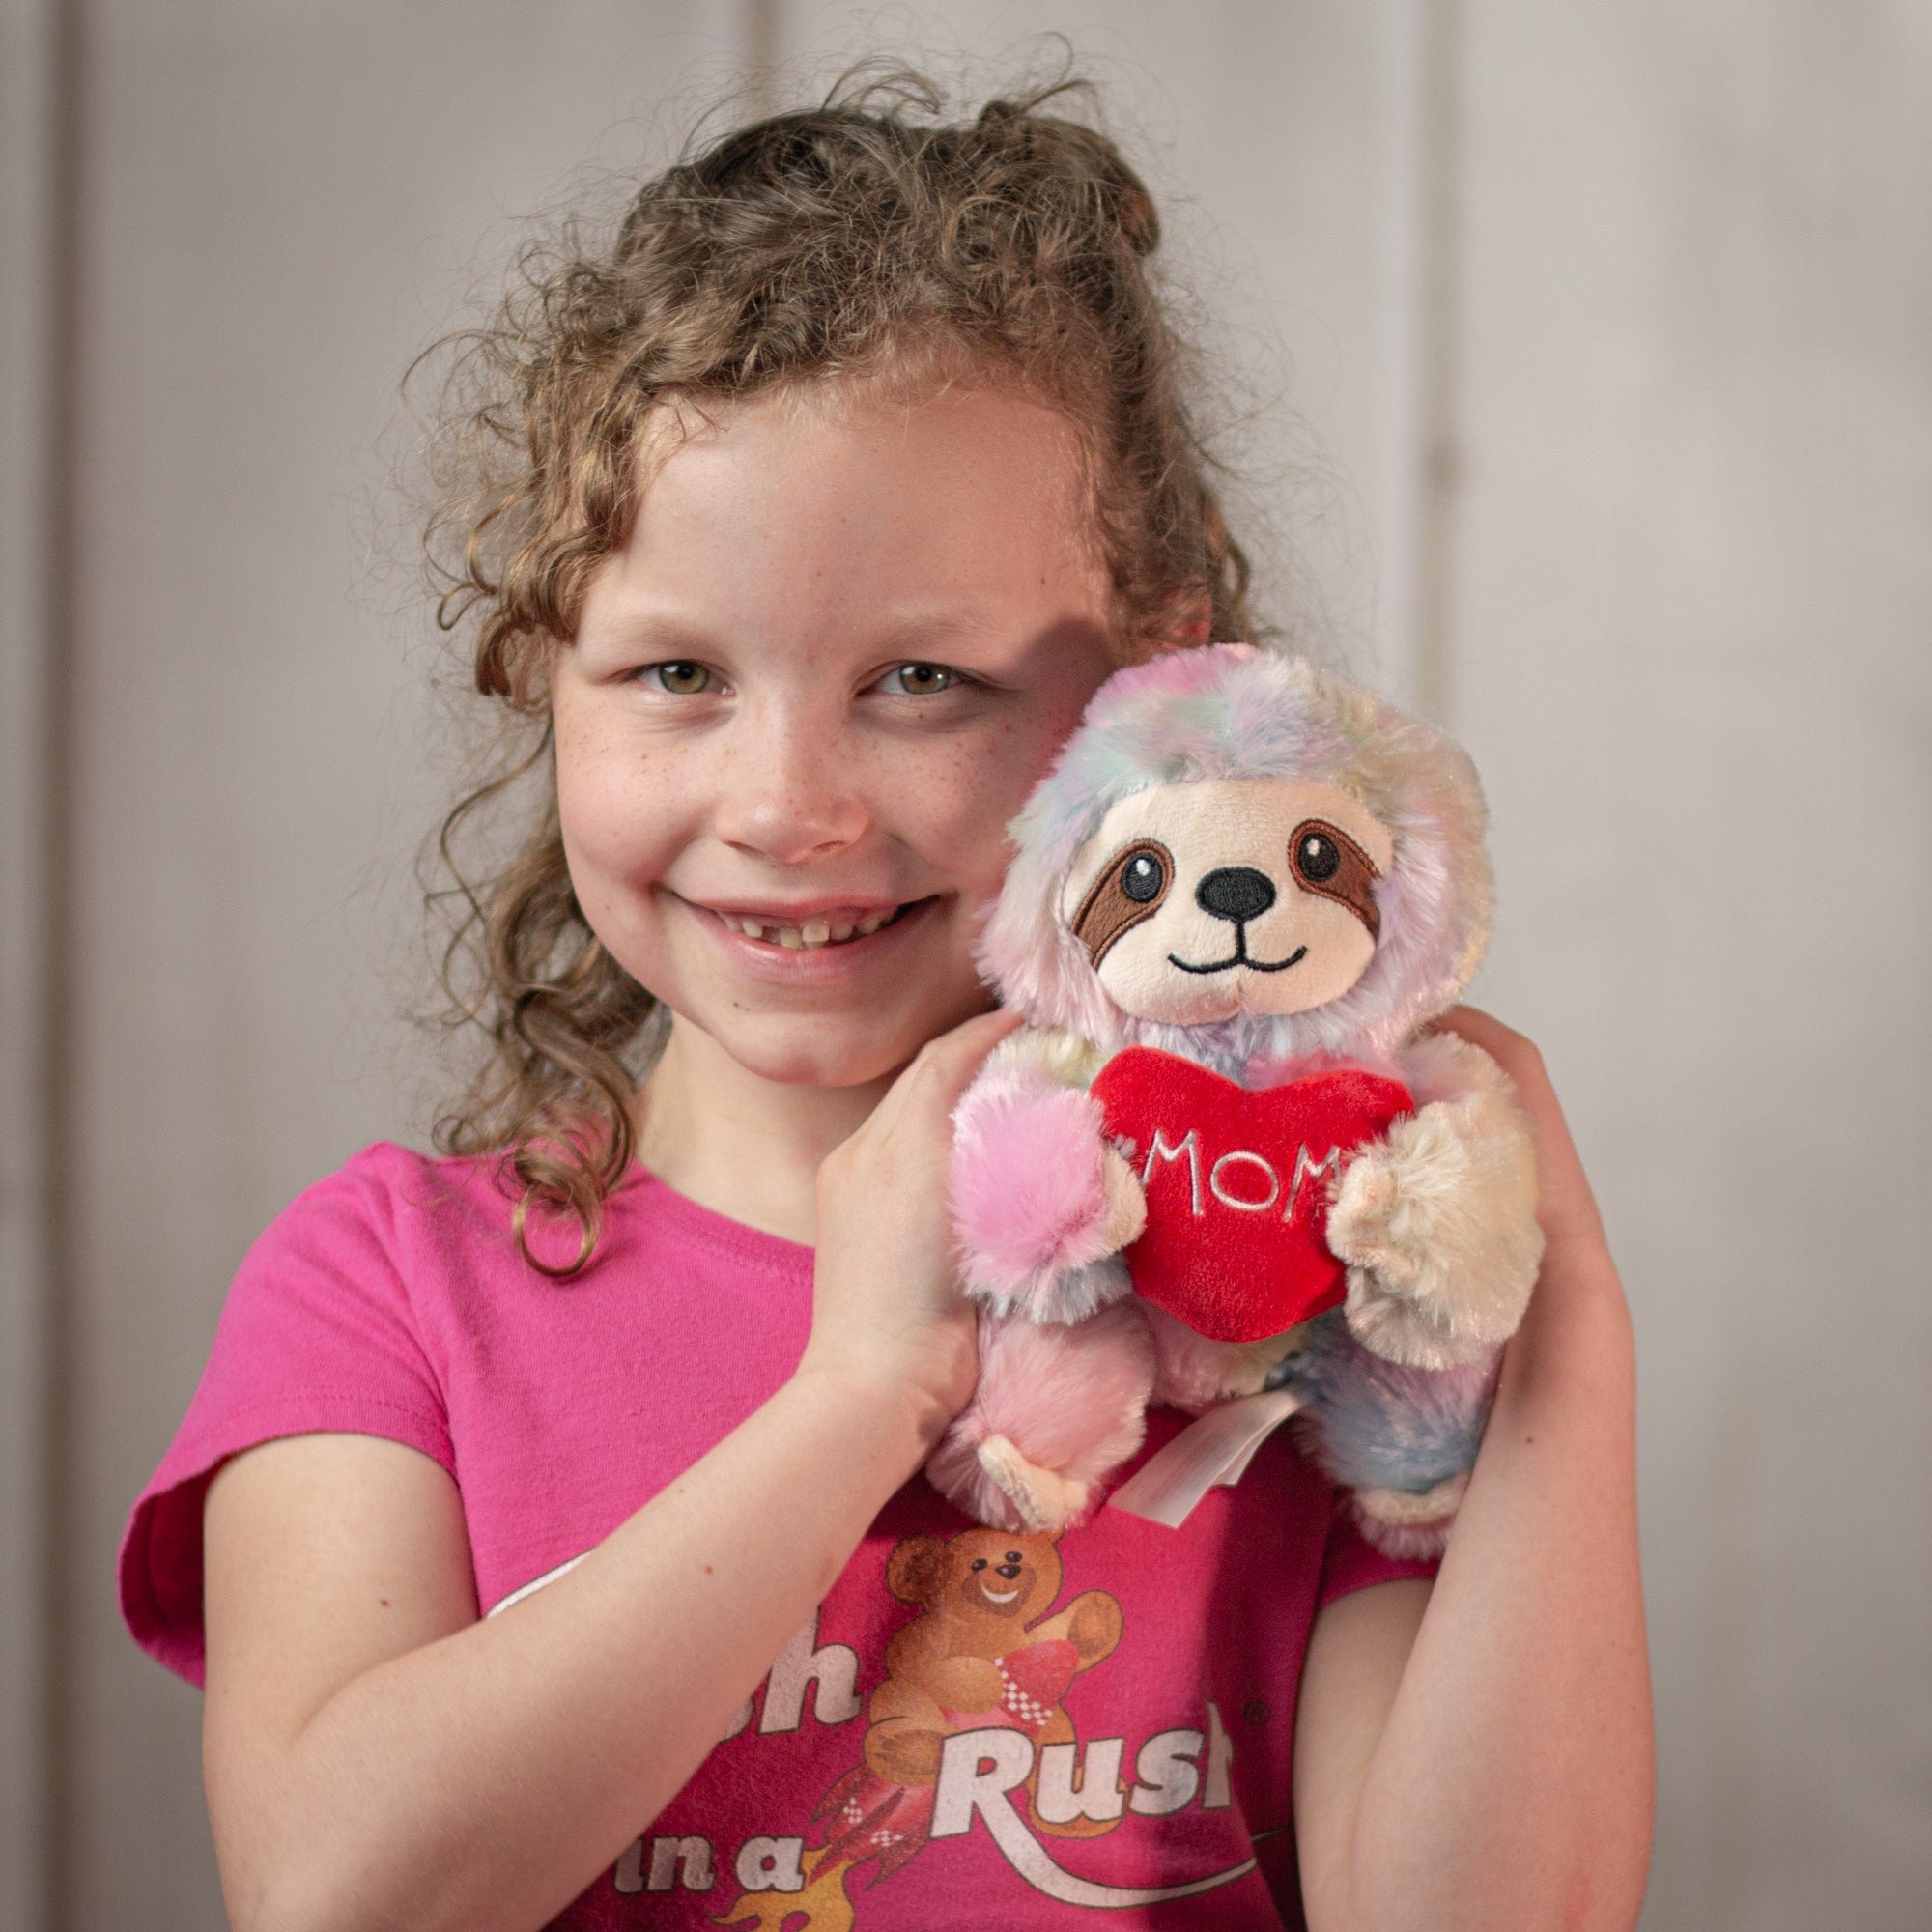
(1610, 330)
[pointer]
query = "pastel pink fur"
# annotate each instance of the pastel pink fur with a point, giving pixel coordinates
(1071, 1400)
(1028, 1187)
(1193, 1373)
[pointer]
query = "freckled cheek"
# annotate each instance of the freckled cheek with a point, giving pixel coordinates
(619, 812)
(963, 794)
(954, 806)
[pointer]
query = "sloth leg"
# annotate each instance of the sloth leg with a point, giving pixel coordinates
(1057, 1409)
(1402, 1439)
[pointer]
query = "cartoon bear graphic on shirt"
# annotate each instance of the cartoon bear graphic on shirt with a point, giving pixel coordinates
(974, 1657)
(972, 1660)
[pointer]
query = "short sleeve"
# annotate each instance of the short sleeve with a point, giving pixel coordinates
(1352, 1562)
(317, 1333)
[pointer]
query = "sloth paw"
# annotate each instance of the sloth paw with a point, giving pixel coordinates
(1371, 1223)
(1041, 1498)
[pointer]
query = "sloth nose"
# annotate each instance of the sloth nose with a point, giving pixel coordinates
(1236, 891)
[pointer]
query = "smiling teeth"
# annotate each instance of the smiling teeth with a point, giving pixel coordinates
(814, 933)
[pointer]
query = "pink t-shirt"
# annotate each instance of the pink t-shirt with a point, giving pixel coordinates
(1125, 1758)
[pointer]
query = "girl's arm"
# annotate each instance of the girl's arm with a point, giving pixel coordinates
(375, 1756)
(1479, 1754)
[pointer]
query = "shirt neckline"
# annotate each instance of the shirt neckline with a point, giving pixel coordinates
(737, 1239)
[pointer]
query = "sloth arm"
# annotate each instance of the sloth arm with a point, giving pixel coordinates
(1479, 1754)
(1438, 1217)
(1037, 1192)
(1054, 1054)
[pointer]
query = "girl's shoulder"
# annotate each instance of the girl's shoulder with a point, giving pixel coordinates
(375, 1248)
(404, 1279)
(434, 1211)
(386, 1184)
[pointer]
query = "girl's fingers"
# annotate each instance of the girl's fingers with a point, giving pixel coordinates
(943, 1068)
(1568, 1208)
(912, 1122)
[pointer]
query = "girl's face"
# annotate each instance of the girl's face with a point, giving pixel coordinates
(807, 695)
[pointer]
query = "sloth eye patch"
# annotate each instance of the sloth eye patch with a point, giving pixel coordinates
(1326, 861)
(1130, 888)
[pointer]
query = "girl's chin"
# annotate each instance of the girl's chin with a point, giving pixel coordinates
(830, 1053)
(847, 1015)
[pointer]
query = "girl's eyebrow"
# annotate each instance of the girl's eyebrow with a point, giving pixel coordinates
(908, 634)
(640, 625)
(913, 631)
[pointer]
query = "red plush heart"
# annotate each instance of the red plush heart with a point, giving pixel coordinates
(1237, 1185)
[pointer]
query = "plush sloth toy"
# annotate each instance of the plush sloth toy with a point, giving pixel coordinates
(1221, 1157)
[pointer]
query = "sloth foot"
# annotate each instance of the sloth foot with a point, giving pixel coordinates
(1042, 1499)
(1412, 1524)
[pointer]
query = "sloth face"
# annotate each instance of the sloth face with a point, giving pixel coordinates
(1199, 901)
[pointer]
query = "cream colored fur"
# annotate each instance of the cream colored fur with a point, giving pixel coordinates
(1041, 1498)
(1060, 1056)
(1436, 1223)
(1125, 1218)
(1407, 1509)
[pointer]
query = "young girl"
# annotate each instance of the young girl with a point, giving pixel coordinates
(549, 1523)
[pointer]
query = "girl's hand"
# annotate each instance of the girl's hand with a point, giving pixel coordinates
(1573, 1230)
(886, 1310)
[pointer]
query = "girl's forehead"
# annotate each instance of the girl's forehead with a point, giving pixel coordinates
(968, 449)
(971, 500)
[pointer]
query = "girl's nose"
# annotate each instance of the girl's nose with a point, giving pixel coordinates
(789, 793)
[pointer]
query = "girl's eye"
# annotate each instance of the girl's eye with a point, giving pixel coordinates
(679, 676)
(922, 680)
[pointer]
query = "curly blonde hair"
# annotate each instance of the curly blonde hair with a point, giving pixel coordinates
(869, 235)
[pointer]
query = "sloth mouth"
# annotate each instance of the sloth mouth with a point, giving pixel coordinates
(1241, 958)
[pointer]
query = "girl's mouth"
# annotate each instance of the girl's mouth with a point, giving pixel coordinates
(822, 948)
(814, 933)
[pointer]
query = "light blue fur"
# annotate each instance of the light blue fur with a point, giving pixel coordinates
(1375, 1425)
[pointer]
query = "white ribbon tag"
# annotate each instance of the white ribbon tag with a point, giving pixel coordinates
(1213, 1448)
